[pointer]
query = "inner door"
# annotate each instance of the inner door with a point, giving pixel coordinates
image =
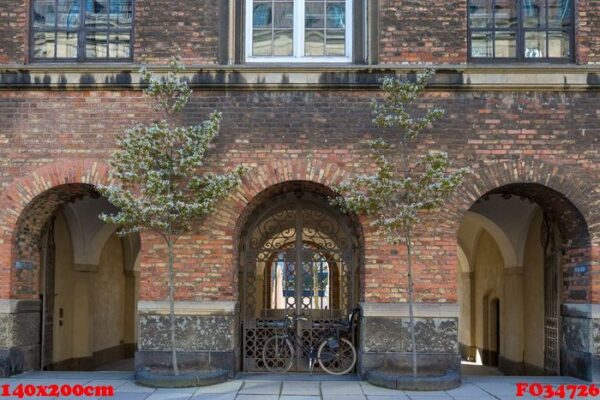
(299, 259)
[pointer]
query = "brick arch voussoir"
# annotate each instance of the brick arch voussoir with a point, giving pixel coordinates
(263, 177)
(26, 195)
(575, 186)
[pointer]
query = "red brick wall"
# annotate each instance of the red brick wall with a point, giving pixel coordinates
(411, 31)
(549, 138)
(162, 26)
(13, 30)
(588, 32)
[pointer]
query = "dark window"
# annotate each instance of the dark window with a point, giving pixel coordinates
(81, 30)
(521, 30)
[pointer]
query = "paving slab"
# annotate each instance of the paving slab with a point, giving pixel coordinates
(214, 396)
(469, 391)
(128, 396)
(261, 387)
(337, 388)
(172, 394)
(115, 383)
(344, 397)
(298, 388)
(168, 396)
(257, 397)
(372, 390)
(286, 397)
(133, 387)
(232, 386)
(397, 396)
(427, 395)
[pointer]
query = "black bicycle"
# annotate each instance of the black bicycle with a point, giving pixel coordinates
(336, 354)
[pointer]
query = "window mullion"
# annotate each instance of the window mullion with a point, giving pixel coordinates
(249, 28)
(349, 27)
(81, 31)
(299, 18)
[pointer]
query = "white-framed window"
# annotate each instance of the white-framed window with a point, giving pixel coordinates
(298, 30)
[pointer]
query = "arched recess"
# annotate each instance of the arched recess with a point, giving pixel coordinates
(507, 249)
(289, 232)
(565, 203)
(57, 244)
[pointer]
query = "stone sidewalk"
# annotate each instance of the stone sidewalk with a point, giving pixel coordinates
(286, 387)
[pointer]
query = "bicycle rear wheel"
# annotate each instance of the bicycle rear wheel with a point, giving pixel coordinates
(278, 355)
(337, 357)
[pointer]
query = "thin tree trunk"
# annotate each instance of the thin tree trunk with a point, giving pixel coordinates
(411, 313)
(172, 306)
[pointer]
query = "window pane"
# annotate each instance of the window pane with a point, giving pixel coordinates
(314, 44)
(506, 14)
(96, 14)
(336, 42)
(482, 44)
(559, 13)
(535, 44)
(263, 15)
(262, 42)
(506, 44)
(44, 14)
(283, 43)
(534, 13)
(68, 14)
(66, 44)
(314, 15)
(120, 14)
(558, 44)
(336, 15)
(480, 13)
(284, 15)
(43, 44)
(96, 45)
(119, 45)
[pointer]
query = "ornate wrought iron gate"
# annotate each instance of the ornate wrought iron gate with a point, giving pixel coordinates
(551, 298)
(298, 257)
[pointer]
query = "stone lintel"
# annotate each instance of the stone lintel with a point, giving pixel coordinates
(302, 76)
(201, 308)
(400, 310)
(17, 306)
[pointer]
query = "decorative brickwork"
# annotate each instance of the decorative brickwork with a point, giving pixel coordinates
(27, 205)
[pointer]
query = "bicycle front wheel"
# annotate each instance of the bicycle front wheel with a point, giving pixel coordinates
(278, 355)
(337, 357)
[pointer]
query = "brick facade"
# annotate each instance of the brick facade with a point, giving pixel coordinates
(556, 146)
(525, 131)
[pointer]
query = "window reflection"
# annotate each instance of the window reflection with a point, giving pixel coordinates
(520, 29)
(103, 25)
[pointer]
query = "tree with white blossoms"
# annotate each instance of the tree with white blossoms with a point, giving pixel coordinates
(158, 185)
(395, 195)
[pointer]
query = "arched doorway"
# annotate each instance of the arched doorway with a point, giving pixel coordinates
(85, 277)
(524, 255)
(298, 256)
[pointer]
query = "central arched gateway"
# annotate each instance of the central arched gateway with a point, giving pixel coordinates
(299, 256)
